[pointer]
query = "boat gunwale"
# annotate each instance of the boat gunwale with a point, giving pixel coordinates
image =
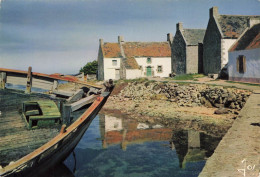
(55, 77)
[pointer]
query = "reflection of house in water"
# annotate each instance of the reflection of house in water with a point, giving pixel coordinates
(193, 146)
(190, 145)
(122, 131)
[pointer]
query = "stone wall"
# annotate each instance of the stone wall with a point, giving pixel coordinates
(212, 48)
(187, 95)
(179, 54)
(192, 60)
(200, 56)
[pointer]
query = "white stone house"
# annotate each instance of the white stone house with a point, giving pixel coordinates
(244, 57)
(130, 60)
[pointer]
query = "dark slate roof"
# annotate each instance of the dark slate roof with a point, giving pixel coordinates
(250, 39)
(232, 26)
(193, 36)
(111, 50)
(130, 63)
(147, 49)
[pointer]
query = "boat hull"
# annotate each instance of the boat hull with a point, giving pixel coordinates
(56, 150)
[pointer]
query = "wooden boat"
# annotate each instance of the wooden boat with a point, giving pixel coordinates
(29, 151)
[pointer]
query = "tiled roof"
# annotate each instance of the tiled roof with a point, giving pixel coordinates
(147, 49)
(233, 26)
(111, 50)
(193, 36)
(130, 63)
(250, 40)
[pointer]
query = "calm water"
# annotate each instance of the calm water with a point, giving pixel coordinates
(115, 146)
(123, 147)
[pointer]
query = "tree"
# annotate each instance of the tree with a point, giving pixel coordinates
(90, 68)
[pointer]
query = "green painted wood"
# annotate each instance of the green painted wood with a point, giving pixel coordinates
(149, 71)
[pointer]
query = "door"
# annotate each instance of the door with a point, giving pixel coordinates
(117, 74)
(149, 71)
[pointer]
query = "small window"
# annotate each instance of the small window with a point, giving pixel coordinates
(141, 67)
(114, 62)
(159, 69)
(149, 60)
(241, 64)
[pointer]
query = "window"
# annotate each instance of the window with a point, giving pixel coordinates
(141, 67)
(159, 69)
(114, 62)
(241, 64)
(149, 60)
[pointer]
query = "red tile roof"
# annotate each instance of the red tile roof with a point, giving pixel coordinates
(131, 63)
(147, 49)
(249, 40)
(111, 50)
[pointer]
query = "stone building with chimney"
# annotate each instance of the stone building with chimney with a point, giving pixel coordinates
(221, 33)
(129, 60)
(187, 50)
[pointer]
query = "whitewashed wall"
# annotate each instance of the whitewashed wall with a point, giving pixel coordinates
(133, 73)
(252, 64)
(165, 62)
(109, 69)
(225, 45)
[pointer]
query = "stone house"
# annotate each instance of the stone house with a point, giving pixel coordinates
(187, 50)
(129, 60)
(222, 31)
(244, 57)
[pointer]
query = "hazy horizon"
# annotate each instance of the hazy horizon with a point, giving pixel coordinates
(62, 35)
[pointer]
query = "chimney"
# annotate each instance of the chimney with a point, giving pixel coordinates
(101, 42)
(120, 39)
(213, 12)
(252, 21)
(179, 26)
(169, 38)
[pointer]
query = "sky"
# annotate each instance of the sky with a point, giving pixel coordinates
(61, 36)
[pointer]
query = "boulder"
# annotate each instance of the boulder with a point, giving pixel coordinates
(221, 111)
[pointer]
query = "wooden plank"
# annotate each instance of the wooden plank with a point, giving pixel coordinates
(63, 93)
(77, 105)
(2, 80)
(66, 113)
(55, 85)
(42, 80)
(15, 80)
(76, 97)
(29, 81)
(42, 85)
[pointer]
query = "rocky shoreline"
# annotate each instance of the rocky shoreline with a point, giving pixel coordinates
(211, 109)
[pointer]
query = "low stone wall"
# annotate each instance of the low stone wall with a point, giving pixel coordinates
(187, 95)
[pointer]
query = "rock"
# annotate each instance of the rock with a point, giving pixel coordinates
(221, 111)
(142, 126)
(219, 105)
(232, 105)
(157, 126)
(231, 97)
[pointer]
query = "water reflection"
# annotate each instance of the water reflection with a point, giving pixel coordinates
(126, 132)
(123, 147)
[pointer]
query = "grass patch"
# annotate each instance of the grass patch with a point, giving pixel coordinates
(244, 83)
(188, 77)
(131, 80)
